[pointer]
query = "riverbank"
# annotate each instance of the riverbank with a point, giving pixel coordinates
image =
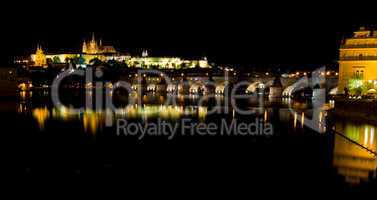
(358, 109)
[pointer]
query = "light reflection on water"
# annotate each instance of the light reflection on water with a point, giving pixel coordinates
(93, 120)
(41, 115)
(354, 162)
(351, 161)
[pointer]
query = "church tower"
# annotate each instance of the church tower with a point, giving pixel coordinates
(40, 57)
(144, 53)
(92, 47)
(84, 48)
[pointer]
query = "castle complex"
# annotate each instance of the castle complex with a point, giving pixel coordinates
(94, 49)
(40, 57)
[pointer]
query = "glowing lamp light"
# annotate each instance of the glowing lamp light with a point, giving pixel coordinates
(22, 86)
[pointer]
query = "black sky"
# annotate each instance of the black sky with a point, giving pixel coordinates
(268, 34)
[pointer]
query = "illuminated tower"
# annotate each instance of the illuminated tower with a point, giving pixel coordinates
(92, 47)
(358, 58)
(144, 53)
(84, 49)
(40, 57)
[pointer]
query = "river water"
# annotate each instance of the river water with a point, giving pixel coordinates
(41, 140)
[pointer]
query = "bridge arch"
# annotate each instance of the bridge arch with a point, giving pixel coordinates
(172, 88)
(151, 87)
(220, 88)
(333, 91)
(254, 86)
(198, 87)
(297, 86)
(258, 85)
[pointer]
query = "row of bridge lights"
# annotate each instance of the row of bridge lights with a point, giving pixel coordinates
(162, 75)
(328, 73)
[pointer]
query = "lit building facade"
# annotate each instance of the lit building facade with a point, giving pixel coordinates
(358, 58)
(166, 62)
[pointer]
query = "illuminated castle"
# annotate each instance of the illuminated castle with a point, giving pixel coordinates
(358, 58)
(93, 47)
(40, 57)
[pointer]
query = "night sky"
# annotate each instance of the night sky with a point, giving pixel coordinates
(259, 35)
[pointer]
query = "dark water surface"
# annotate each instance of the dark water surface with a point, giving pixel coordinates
(40, 141)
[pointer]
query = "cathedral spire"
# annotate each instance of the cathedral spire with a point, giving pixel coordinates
(92, 46)
(84, 48)
(93, 37)
(40, 57)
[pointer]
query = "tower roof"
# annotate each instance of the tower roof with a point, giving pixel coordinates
(93, 37)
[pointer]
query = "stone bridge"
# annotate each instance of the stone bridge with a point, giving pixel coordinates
(205, 84)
